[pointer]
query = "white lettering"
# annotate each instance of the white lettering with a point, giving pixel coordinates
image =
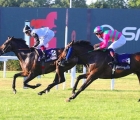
(126, 32)
(137, 35)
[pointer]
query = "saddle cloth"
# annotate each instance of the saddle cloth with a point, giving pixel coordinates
(51, 54)
(123, 61)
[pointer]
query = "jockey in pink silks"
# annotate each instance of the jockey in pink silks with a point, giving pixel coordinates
(41, 35)
(117, 39)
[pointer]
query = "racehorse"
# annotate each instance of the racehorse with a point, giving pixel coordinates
(30, 64)
(98, 64)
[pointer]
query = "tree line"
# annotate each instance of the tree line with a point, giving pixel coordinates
(122, 4)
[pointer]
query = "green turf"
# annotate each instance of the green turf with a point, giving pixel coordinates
(97, 102)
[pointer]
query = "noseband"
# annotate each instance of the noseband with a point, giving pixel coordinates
(9, 45)
(4, 50)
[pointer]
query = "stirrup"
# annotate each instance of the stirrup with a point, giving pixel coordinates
(43, 57)
(112, 63)
(61, 63)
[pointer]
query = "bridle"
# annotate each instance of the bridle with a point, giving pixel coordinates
(4, 50)
(70, 45)
(9, 45)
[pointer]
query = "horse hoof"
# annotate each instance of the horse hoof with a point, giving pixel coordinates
(73, 94)
(68, 100)
(47, 91)
(37, 85)
(39, 93)
(14, 91)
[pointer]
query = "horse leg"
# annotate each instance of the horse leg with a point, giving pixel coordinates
(138, 75)
(88, 81)
(30, 77)
(57, 80)
(77, 81)
(14, 81)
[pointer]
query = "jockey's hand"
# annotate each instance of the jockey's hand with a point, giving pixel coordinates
(32, 48)
(95, 46)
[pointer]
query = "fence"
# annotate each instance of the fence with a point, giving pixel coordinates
(73, 76)
(5, 59)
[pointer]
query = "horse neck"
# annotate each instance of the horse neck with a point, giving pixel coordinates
(82, 53)
(21, 54)
(87, 54)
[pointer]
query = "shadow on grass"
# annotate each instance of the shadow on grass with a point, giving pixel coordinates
(70, 89)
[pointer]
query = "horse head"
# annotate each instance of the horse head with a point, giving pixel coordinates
(64, 53)
(79, 48)
(12, 44)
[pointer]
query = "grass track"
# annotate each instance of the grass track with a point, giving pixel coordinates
(97, 102)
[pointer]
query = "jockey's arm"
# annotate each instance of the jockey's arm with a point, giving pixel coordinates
(36, 37)
(96, 45)
(103, 44)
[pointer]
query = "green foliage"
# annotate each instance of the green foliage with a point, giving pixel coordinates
(1, 65)
(99, 4)
(134, 3)
(109, 4)
(61, 4)
(11, 65)
(75, 3)
(79, 68)
(116, 4)
(25, 3)
(43, 3)
(79, 4)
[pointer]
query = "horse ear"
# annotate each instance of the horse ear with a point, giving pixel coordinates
(71, 43)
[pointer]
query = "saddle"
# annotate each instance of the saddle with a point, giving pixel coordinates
(50, 54)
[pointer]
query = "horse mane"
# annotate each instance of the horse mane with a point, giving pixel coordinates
(83, 43)
(20, 41)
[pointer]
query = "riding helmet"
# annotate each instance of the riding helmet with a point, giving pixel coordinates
(98, 29)
(27, 28)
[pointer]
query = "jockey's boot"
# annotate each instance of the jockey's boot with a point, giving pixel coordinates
(114, 62)
(43, 55)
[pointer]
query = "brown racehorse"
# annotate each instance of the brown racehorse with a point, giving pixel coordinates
(30, 65)
(98, 65)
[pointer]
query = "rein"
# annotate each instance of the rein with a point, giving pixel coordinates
(24, 49)
(90, 52)
(86, 52)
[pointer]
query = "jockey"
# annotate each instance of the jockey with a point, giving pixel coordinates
(41, 35)
(117, 39)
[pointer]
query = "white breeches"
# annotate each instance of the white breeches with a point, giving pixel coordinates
(44, 40)
(120, 42)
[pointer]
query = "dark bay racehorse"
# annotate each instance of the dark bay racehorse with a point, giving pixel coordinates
(98, 65)
(30, 65)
